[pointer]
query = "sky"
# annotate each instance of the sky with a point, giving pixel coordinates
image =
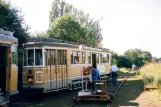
(126, 24)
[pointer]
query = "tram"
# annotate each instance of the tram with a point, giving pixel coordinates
(8, 66)
(53, 65)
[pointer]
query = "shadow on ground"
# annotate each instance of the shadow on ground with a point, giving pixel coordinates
(130, 91)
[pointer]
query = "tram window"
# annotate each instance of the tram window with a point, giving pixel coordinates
(31, 57)
(25, 58)
(108, 58)
(83, 58)
(38, 57)
(62, 57)
(51, 56)
(13, 58)
(104, 58)
(89, 57)
(78, 56)
(101, 59)
(97, 58)
(71, 57)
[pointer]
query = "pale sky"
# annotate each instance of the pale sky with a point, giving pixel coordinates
(126, 24)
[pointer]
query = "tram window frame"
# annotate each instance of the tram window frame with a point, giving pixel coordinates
(25, 57)
(48, 60)
(32, 57)
(106, 56)
(14, 58)
(62, 60)
(97, 56)
(89, 56)
(40, 62)
(14, 55)
(83, 57)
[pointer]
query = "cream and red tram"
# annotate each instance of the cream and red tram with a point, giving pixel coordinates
(53, 65)
(8, 66)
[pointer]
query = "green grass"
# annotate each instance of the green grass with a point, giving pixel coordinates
(123, 70)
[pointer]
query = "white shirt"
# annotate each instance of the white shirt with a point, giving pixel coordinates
(114, 68)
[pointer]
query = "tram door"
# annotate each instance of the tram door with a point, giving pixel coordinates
(94, 61)
(62, 69)
(51, 69)
(56, 67)
(3, 59)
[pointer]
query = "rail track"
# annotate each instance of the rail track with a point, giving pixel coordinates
(26, 100)
(125, 76)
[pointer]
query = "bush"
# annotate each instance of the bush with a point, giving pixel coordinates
(151, 75)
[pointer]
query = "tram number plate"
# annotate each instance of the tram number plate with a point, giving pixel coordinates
(38, 77)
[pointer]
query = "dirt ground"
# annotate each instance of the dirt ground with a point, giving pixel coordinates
(132, 94)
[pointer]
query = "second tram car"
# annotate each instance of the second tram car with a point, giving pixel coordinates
(53, 65)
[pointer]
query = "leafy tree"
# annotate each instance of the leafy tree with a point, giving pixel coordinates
(63, 8)
(54, 13)
(121, 61)
(40, 34)
(12, 20)
(138, 56)
(66, 28)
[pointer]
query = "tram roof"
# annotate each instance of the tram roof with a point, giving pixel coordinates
(7, 36)
(39, 42)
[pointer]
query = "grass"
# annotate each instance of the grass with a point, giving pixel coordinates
(123, 70)
(132, 94)
(151, 75)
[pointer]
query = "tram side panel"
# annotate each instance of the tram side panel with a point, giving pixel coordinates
(74, 77)
(14, 80)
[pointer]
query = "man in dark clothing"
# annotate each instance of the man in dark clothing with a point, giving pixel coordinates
(95, 76)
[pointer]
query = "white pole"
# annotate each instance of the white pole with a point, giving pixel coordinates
(82, 79)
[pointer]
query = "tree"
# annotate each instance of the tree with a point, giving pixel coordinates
(40, 34)
(10, 19)
(121, 61)
(63, 8)
(138, 56)
(66, 28)
(54, 13)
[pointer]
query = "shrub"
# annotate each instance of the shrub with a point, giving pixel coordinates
(151, 75)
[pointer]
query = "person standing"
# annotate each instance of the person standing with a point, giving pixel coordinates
(95, 76)
(114, 70)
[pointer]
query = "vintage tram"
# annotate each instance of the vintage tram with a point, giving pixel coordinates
(53, 65)
(8, 66)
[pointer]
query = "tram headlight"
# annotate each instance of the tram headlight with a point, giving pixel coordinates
(30, 79)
